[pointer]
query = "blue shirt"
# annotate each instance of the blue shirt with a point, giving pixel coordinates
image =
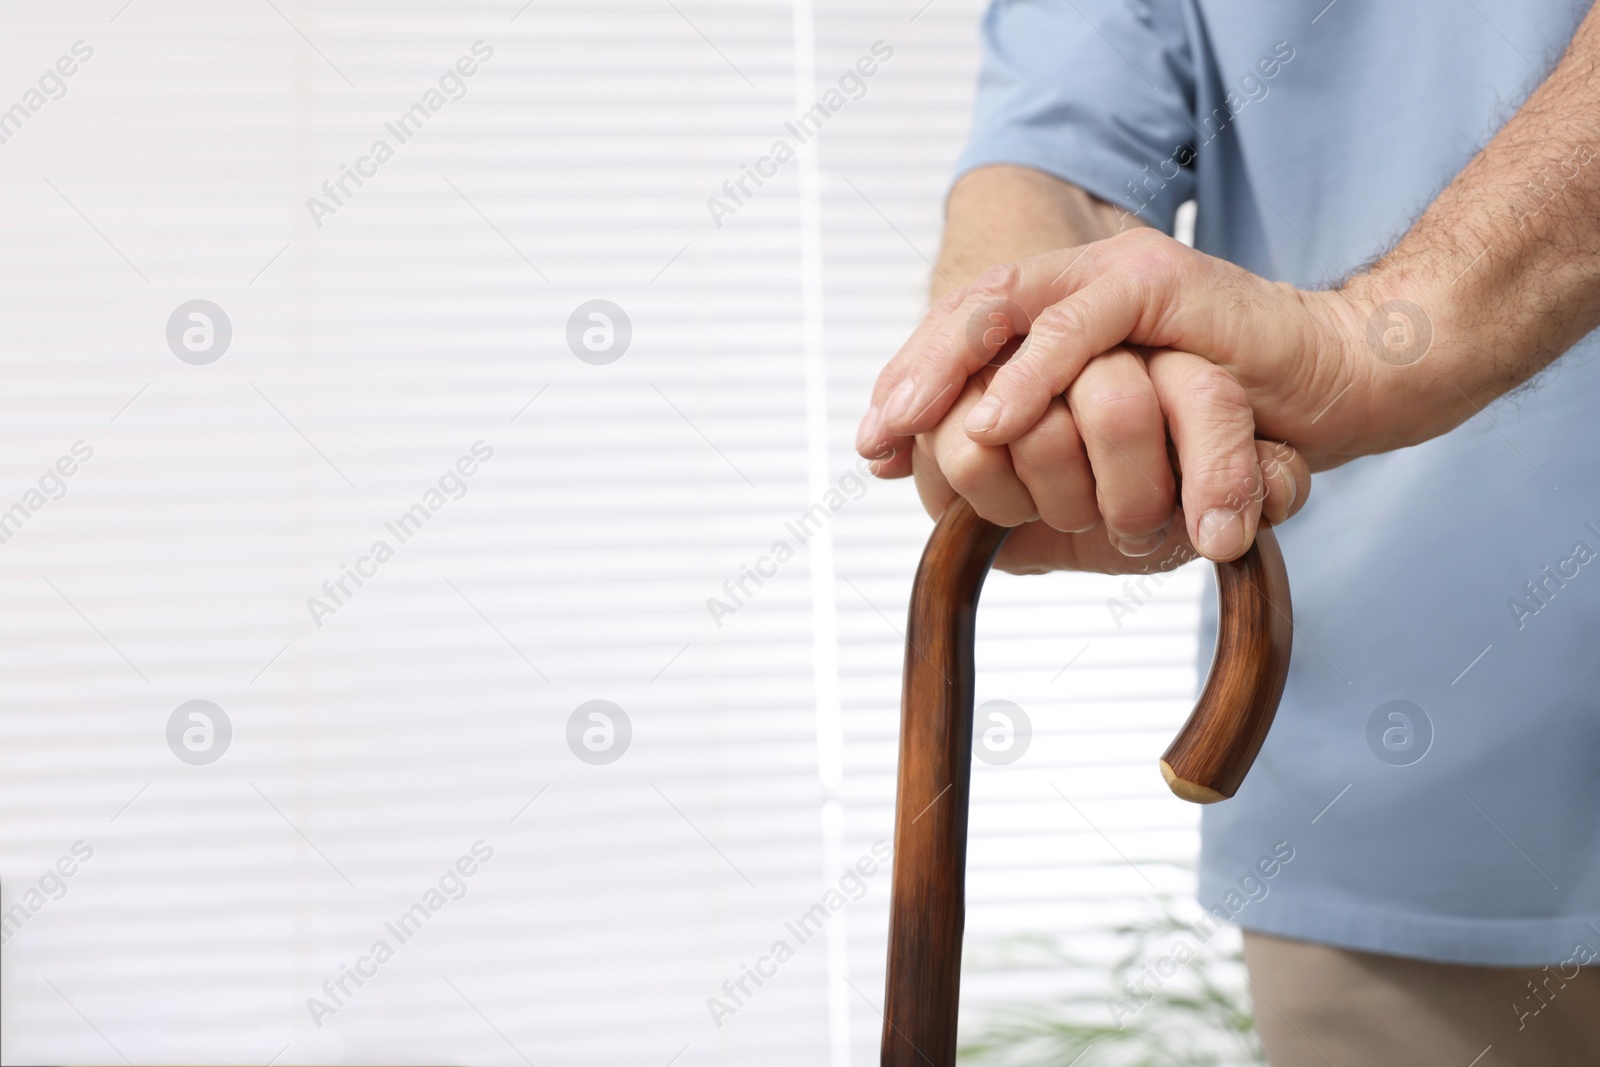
(1435, 765)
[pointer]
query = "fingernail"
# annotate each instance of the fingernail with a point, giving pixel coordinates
(877, 465)
(898, 406)
(871, 426)
(1292, 488)
(1138, 546)
(985, 416)
(1221, 533)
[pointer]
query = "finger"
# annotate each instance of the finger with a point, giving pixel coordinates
(1053, 466)
(1034, 548)
(1146, 288)
(932, 488)
(926, 375)
(973, 335)
(872, 439)
(1213, 429)
(889, 459)
(1287, 477)
(1115, 408)
(1063, 339)
(1199, 303)
(897, 464)
(982, 474)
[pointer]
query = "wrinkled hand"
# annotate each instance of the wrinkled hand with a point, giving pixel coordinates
(1286, 364)
(1047, 481)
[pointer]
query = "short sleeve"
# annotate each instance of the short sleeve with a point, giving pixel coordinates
(1099, 93)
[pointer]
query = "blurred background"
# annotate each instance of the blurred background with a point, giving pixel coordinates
(579, 384)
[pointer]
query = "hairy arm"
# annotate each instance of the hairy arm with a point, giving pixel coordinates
(1505, 264)
(1497, 279)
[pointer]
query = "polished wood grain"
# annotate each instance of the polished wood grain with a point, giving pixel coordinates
(1206, 762)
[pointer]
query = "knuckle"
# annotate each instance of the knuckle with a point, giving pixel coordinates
(1024, 377)
(949, 300)
(1059, 320)
(980, 475)
(1050, 442)
(997, 281)
(1153, 268)
(1121, 413)
(1068, 513)
(1002, 512)
(1219, 396)
(1138, 514)
(1155, 249)
(968, 468)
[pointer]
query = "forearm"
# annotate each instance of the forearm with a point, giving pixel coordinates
(1000, 214)
(1504, 263)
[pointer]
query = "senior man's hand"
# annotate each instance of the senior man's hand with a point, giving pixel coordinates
(1043, 483)
(1230, 357)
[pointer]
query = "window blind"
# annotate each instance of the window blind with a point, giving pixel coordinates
(552, 746)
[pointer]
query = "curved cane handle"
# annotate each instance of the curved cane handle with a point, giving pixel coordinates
(1206, 762)
(1255, 631)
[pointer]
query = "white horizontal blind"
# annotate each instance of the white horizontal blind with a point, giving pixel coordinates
(424, 724)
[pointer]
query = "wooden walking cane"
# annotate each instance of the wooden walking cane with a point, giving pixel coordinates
(1205, 763)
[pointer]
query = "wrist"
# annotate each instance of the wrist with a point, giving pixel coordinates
(1347, 405)
(1391, 329)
